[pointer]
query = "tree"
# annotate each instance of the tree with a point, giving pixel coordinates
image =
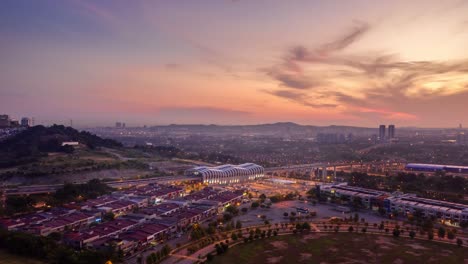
(441, 232)
(262, 197)
(356, 217)
(396, 232)
(350, 229)
(232, 209)
(285, 214)
(382, 211)
(459, 242)
(357, 203)
(244, 210)
(430, 235)
(227, 217)
(234, 236)
(412, 234)
(197, 232)
(238, 224)
(255, 205)
(450, 235)
(109, 216)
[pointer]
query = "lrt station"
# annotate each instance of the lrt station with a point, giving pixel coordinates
(227, 174)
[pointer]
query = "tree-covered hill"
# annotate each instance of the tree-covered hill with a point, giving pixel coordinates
(37, 141)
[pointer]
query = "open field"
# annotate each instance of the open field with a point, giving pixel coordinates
(342, 248)
(6, 258)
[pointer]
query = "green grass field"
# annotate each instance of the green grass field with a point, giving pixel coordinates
(6, 258)
(343, 248)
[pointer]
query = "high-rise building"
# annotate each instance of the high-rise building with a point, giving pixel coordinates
(25, 121)
(123, 125)
(391, 131)
(4, 121)
(118, 124)
(461, 138)
(382, 132)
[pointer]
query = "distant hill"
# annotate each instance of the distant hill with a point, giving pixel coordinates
(37, 141)
(275, 129)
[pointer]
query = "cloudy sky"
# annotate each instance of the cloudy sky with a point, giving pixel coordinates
(235, 62)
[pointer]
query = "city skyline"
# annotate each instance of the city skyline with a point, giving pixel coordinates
(360, 63)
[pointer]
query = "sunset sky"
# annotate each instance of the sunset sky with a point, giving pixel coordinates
(235, 62)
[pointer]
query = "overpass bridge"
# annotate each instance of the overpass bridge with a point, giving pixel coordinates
(322, 168)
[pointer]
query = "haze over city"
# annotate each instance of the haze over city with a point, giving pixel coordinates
(355, 63)
(233, 131)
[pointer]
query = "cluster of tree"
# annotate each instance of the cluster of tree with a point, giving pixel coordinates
(37, 169)
(50, 251)
(288, 197)
(303, 227)
(258, 233)
(159, 256)
(67, 193)
(174, 152)
(430, 152)
(220, 248)
(35, 142)
(18, 204)
(447, 187)
(75, 192)
(200, 244)
(230, 212)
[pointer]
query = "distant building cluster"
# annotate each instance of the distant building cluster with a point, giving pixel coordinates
(333, 138)
(399, 203)
(383, 136)
(7, 122)
(120, 125)
(227, 174)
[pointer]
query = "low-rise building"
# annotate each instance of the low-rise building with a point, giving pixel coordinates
(410, 204)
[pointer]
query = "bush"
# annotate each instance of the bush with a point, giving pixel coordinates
(234, 236)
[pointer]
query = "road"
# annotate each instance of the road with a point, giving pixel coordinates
(46, 189)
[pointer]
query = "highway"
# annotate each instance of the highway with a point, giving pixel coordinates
(45, 189)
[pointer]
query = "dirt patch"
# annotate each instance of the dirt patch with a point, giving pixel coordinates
(333, 249)
(368, 252)
(445, 253)
(413, 253)
(384, 241)
(305, 256)
(352, 261)
(357, 239)
(273, 260)
(279, 245)
(314, 236)
(416, 246)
